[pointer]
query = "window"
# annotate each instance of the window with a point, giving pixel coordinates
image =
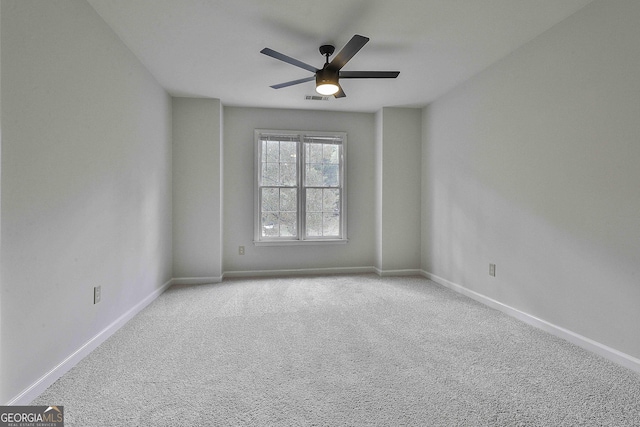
(300, 192)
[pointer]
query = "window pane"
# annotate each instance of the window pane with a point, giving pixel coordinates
(270, 200)
(314, 153)
(314, 175)
(288, 224)
(331, 200)
(313, 167)
(270, 226)
(270, 174)
(330, 174)
(323, 212)
(314, 224)
(279, 216)
(288, 199)
(279, 163)
(331, 153)
(331, 225)
(272, 151)
(288, 152)
(314, 200)
(322, 167)
(288, 174)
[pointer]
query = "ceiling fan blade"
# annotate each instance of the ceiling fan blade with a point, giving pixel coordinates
(355, 44)
(294, 82)
(340, 93)
(369, 74)
(289, 60)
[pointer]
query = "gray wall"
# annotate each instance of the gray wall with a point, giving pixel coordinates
(239, 124)
(534, 165)
(398, 151)
(86, 184)
(383, 213)
(197, 190)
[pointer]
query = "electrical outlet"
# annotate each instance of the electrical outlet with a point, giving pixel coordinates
(492, 270)
(240, 250)
(97, 294)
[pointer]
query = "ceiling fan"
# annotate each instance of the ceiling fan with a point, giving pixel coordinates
(327, 78)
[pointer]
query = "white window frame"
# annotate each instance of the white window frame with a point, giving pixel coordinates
(300, 238)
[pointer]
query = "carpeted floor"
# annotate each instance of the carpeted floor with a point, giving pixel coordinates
(338, 351)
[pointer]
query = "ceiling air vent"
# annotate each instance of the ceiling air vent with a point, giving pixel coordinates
(316, 98)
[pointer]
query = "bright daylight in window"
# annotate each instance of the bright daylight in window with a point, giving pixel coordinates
(300, 187)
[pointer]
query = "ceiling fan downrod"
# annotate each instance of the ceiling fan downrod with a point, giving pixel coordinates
(327, 50)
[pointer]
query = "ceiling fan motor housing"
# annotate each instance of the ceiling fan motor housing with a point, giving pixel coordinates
(326, 76)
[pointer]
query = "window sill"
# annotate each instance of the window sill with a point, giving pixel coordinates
(300, 242)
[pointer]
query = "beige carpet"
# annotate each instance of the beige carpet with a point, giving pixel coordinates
(338, 351)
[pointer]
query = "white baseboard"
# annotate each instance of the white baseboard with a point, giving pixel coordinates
(38, 387)
(607, 352)
(404, 272)
(299, 272)
(320, 271)
(195, 280)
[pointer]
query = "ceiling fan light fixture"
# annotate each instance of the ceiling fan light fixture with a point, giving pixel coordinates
(327, 82)
(327, 89)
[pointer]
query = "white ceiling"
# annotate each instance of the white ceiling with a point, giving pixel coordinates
(211, 48)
